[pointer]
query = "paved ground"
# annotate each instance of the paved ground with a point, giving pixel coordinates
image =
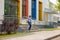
(57, 38)
(42, 35)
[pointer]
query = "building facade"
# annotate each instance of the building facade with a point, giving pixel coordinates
(22, 9)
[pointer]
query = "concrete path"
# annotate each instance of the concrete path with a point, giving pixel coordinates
(42, 35)
(57, 38)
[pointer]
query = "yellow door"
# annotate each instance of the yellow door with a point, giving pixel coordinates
(18, 11)
(40, 11)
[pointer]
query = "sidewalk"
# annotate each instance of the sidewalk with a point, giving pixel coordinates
(42, 35)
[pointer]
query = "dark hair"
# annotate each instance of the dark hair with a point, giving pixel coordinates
(29, 16)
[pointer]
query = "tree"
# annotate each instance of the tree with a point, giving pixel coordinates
(57, 6)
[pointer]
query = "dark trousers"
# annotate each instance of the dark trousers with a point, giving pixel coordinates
(29, 26)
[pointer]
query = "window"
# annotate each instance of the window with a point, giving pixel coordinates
(10, 9)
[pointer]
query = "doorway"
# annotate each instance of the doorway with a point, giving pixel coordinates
(40, 11)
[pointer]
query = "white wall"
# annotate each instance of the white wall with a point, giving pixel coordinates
(45, 4)
(23, 21)
(20, 8)
(40, 0)
(1, 10)
(37, 9)
(29, 7)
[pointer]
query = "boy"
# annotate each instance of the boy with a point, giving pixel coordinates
(29, 23)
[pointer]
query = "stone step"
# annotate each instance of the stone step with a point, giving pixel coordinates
(26, 26)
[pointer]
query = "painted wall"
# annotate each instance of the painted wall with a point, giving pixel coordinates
(45, 4)
(40, 0)
(1, 10)
(29, 5)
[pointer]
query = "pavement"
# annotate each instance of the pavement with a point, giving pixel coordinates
(41, 35)
(56, 38)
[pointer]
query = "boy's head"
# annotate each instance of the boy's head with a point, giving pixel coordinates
(29, 16)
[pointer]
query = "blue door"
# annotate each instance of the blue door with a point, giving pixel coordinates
(33, 9)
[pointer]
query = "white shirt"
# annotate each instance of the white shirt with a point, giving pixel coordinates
(29, 19)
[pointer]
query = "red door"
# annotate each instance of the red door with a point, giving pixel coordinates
(26, 8)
